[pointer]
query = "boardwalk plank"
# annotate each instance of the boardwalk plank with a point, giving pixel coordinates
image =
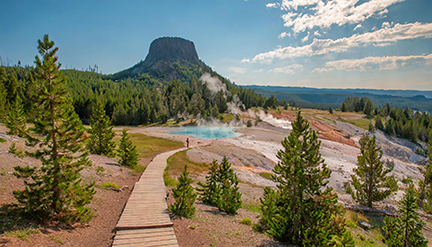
(145, 219)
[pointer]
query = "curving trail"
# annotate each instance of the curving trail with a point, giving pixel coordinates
(145, 220)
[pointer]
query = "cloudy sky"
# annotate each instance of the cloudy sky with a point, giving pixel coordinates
(384, 44)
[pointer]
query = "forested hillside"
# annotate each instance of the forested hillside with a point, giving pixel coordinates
(406, 123)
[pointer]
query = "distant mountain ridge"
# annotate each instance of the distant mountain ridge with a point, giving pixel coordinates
(311, 90)
(165, 55)
(325, 97)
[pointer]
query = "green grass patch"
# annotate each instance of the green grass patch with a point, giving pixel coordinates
(2, 140)
(175, 166)
(253, 207)
(139, 169)
(148, 147)
(227, 118)
(169, 181)
(109, 185)
(23, 234)
(56, 239)
(246, 221)
(361, 122)
(364, 238)
(267, 175)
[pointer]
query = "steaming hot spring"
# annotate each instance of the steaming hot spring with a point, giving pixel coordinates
(206, 132)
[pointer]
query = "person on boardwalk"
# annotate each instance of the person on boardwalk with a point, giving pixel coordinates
(187, 142)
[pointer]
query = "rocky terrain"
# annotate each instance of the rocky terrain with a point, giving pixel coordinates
(253, 155)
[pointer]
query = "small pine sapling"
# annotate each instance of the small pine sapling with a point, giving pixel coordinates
(229, 200)
(209, 191)
(14, 150)
(406, 230)
(16, 118)
(370, 179)
(268, 208)
(101, 134)
(127, 151)
(184, 196)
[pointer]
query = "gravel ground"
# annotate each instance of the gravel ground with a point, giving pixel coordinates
(251, 154)
(107, 204)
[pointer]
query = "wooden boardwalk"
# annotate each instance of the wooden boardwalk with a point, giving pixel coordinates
(145, 220)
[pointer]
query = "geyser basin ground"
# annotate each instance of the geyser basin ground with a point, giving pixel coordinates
(206, 132)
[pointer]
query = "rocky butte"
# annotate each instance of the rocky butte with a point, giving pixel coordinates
(163, 54)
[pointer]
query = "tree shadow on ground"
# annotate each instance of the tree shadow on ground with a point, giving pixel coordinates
(15, 223)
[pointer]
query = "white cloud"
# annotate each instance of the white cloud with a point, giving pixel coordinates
(339, 12)
(294, 4)
(380, 37)
(237, 70)
(287, 69)
(370, 63)
(306, 38)
(272, 5)
(386, 25)
(316, 33)
(258, 71)
(284, 34)
(358, 26)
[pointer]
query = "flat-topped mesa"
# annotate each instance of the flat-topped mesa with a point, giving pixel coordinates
(163, 53)
(171, 49)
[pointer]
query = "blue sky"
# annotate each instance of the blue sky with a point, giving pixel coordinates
(385, 44)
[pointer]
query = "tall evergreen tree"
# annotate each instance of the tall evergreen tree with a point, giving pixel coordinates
(307, 213)
(184, 196)
(127, 151)
(370, 179)
(55, 190)
(368, 108)
(101, 133)
(378, 123)
(229, 200)
(16, 118)
(406, 229)
(209, 191)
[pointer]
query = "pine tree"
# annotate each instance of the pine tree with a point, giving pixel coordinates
(14, 150)
(307, 213)
(209, 191)
(16, 118)
(378, 123)
(345, 240)
(55, 190)
(370, 179)
(184, 196)
(3, 102)
(405, 230)
(221, 187)
(389, 127)
(368, 108)
(426, 184)
(330, 110)
(268, 208)
(101, 133)
(229, 200)
(127, 151)
(371, 127)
